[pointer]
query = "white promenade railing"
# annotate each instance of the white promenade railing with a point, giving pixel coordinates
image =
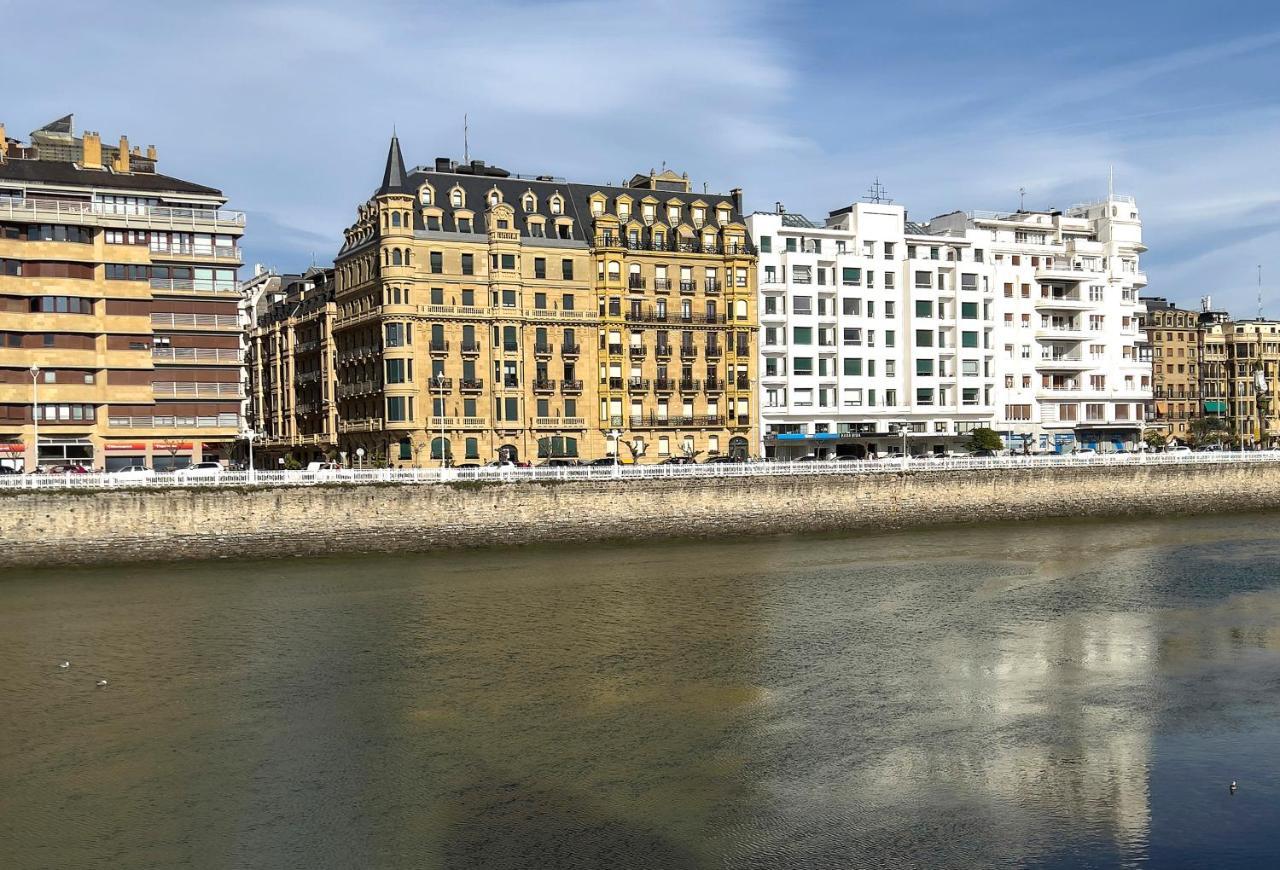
(824, 468)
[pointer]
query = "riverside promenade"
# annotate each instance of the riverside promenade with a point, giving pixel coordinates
(82, 519)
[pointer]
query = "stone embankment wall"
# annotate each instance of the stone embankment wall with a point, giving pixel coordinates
(67, 527)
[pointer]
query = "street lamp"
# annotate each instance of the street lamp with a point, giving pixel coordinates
(249, 435)
(440, 389)
(902, 429)
(35, 415)
(616, 435)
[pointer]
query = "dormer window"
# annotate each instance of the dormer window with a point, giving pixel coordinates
(649, 212)
(557, 205)
(529, 204)
(624, 211)
(494, 198)
(424, 196)
(464, 224)
(722, 216)
(455, 197)
(673, 215)
(699, 216)
(597, 207)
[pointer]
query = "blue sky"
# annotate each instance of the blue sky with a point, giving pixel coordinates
(951, 104)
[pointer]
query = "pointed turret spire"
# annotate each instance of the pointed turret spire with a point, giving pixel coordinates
(394, 179)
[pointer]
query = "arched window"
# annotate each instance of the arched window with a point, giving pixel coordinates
(528, 203)
(406, 448)
(494, 198)
(386, 258)
(424, 196)
(441, 449)
(395, 295)
(397, 259)
(395, 219)
(557, 205)
(408, 257)
(455, 197)
(615, 270)
(406, 296)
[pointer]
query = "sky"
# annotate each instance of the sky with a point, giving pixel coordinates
(952, 104)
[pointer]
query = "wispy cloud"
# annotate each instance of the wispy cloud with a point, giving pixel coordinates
(289, 106)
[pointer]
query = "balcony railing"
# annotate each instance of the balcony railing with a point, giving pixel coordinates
(216, 421)
(440, 385)
(688, 287)
(368, 424)
(193, 390)
(470, 348)
(543, 349)
(654, 421)
(662, 350)
(570, 349)
(195, 287)
(636, 350)
(570, 386)
(713, 385)
(559, 423)
(195, 321)
(641, 384)
(714, 351)
(471, 385)
(357, 353)
(711, 285)
(151, 217)
(438, 346)
(690, 385)
(544, 385)
(688, 350)
(357, 388)
(635, 282)
(197, 354)
(227, 253)
(664, 385)
(662, 285)
(435, 423)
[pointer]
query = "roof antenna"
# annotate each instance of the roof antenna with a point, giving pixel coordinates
(1259, 291)
(877, 193)
(1022, 198)
(1111, 183)
(466, 147)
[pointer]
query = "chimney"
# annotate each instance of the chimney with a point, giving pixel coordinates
(779, 208)
(151, 153)
(736, 196)
(122, 158)
(91, 157)
(4, 144)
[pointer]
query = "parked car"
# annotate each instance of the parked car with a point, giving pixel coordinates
(1088, 451)
(4, 469)
(200, 471)
(559, 462)
(849, 457)
(984, 453)
(606, 460)
(1177, 449)
(678, 460)
(131, 472)
(721, 460)
(467, 465)
(71, 468)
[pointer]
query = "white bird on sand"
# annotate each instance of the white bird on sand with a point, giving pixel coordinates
(65, 665)
(101, 683)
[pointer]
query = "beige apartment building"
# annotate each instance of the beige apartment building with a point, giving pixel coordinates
(119, 338)
(292, 369)
(1174, 336)
(484, 315)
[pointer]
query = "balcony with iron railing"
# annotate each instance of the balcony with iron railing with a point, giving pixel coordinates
(571, 386)
(664, 385)
(471, 385)
(688, 287)
(438, 346)
(469, 348)
(712, 286)
(636, 351)
(368, 424)
(662, 285)
(543, 350)
(636, 383)
(635, 282)
(655, 421)
(439, 385)
(690, 385)
(357, 388)
(567, 350)
(714, 351)
(688, 351)
(611, 383)
(662, 350)
(713, 385)
(544, 385)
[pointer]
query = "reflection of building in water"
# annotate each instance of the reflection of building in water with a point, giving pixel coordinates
(1049, 719)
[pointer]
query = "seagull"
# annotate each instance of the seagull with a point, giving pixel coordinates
(65, 665)
(101, 683)
(1233, 785)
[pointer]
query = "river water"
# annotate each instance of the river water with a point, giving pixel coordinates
(1050, 695)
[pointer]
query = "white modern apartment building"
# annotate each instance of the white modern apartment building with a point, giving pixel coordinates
(874, 333)
(1026, 322)
(1072, 362)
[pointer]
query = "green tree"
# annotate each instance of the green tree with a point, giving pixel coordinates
(984, 439)
(1155, 439)
(1207, 430)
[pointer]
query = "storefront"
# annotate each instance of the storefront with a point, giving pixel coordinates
(13, 455)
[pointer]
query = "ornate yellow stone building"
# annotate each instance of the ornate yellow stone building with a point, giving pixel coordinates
(118, 308)
(485, 315)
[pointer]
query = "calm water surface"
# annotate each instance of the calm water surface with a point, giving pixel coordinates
(1063, 695)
